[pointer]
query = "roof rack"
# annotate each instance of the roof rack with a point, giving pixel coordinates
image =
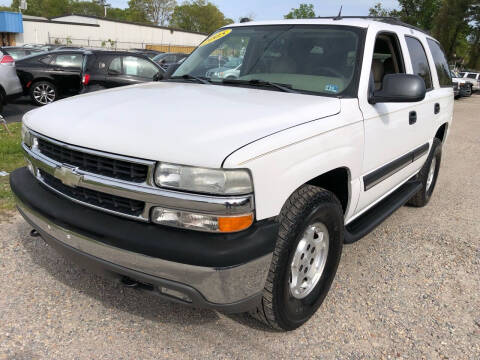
(386, 19)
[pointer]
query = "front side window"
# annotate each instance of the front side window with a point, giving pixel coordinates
(441, 64)
(69, 61)
(419, 60)
(387, 59)
(136, 66)
(316, 59)
(472, 76)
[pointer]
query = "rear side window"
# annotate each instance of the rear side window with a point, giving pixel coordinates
(419, 60)
(472, 76)
(441, 63)
(45, 60)
(69, 61)
(135, 66)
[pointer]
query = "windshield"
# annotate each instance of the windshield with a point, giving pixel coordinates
(312, 59)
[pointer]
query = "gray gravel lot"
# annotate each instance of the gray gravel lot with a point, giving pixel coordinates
(409, 290)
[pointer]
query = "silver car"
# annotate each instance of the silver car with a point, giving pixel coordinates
(9, 83)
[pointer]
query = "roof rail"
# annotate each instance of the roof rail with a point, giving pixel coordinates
(386, 19)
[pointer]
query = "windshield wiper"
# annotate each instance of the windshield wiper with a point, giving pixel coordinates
(261, 83)
(192, 77)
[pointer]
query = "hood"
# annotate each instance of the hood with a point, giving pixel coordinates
(184, 123)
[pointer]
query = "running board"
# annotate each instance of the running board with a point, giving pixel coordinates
(368, 221)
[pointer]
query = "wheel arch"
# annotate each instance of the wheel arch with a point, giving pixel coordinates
(337, 182)
(441, 133)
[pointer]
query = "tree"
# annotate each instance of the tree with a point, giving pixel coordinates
(379, 10)
(160, 11)
(304, 11)
(199, 16)
(451, 24)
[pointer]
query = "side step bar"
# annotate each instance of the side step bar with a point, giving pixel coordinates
(377, 214)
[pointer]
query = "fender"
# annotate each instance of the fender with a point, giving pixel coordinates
(283, 162)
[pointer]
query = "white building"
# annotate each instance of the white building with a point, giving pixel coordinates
(94, 31)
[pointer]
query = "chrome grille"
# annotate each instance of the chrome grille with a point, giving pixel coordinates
(114, 168)
(95, 198)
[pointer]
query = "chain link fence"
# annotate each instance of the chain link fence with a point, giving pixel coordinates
(110, 44)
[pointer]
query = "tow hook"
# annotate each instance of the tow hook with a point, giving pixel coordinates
(34, 233)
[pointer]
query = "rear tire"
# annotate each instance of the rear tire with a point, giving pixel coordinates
(428, 176)
(306, 256)
(43, 93)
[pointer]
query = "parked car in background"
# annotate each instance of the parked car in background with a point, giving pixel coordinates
(167, 59)
(147, 52)
(230, 70)
(108, 69)
(48, 76)
(472, 78)
(19, 52)
(9, 83)
(460, 86)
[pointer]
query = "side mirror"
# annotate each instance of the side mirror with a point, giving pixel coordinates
(399, 88)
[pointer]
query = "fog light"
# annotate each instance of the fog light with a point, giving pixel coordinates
(201, 222)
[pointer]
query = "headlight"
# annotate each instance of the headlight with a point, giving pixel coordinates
(27, 137)
(203, 180)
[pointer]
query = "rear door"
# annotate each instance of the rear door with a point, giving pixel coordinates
(130, 69)
(66, 70)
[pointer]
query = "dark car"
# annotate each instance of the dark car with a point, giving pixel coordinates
(48, 76)
(108, 69)
(147, 52)
(167, 59)
(19, 52)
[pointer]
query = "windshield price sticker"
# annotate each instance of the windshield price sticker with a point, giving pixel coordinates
(216, 37)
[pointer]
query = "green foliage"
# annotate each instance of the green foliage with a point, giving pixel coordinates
(11, 157)
(198, 15)
(304, 11)
(455, 23)
(379, 10)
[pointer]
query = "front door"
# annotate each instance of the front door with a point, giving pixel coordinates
(394, 132)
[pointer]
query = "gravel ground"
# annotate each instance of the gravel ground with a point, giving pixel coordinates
(409, 290)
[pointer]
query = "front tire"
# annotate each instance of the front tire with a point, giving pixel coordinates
(43, 93)
(306, 256)
(428, 176)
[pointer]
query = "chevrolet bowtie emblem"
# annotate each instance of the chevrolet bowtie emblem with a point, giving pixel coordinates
(67, 175)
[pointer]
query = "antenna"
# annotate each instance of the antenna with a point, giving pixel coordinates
(339, 16)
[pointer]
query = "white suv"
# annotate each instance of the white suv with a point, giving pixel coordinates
(238, 194)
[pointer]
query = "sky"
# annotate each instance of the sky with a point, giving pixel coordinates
(276, 9)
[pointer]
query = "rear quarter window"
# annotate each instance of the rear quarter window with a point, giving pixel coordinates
(441, 64)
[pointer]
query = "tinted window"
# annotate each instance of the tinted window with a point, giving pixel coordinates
(462, 74)
(472, 76)
(441, 64)
(138, 67)
(45, 60)
(69, 61)
(419, 60)
(116, 66)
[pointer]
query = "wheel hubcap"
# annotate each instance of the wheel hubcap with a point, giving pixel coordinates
(431, 173)
(44, 94)
(309, 260)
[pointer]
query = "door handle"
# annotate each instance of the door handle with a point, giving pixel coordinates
(437, 108)
(412, 117)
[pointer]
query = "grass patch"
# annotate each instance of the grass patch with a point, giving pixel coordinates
(11, 157)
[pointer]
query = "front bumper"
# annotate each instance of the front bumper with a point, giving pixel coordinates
(207, 281)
